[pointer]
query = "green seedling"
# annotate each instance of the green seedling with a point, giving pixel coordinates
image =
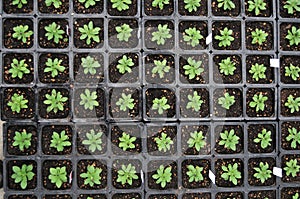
(225, 38)
(125, 65)
(23, 174)
(227, 67)
(192, 36)
(60, 140)
(19, 3)
(164, 142)
(121, 5)
(293, 36)
(292, 6)
(293, 104)
(127, 174)
(264, 138)
(17, 103)
(195, 102)
(89, 99)
(58, 176)
(126, 141)
(89, 33)
(93, 141)
(22, 140)
(231, 173)
(55, 3)
(161, 105)
(296, 196)
(259, 36)
(194, 173)
(258, 71)
(229, 139)
(293, 136)
(54, 66)
(197, 140)
(292, 71)
(160, 3)
(92, 175)
(292, 168)
(89, 65)
(124, 32)
(161, 34)
(257, 6)
(22, 33)
(193, 68)
(192, 5)
(226, 4)
(18, 68)
(161, 68)
(258, 102)
(55, 101)
(227, 101)
(125, 102)
(54, 32)
(88, 3)
(163, 176)
(263, 172)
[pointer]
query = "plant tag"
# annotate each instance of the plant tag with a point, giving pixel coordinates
(142, 176)
(70, 177)
(209, 39)
(277, 172)
(212, 176)
(274, 63)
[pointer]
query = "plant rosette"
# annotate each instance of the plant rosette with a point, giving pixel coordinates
(260, 171)
(291, 168)
(158, 7)
(290, 102)
(230, 8)
(53, 6)
(289, 35)
(88, 6)
(289, 69)
(17, 6)
(290, 135)
(259, 8)
(289, 9)
(122, 8)
(192, 8)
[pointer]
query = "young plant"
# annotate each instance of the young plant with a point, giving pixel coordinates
(17, 103)
(163, 176)
(164, 142)
(259, 36)
(22, 33)
(55, 3)
(89, 99)
(292, 71)
(89, 33)
(231, 173)
(226, 4)
(160, 104)
(89, 65)
(23, 174)
(121, 4)
(264, 138)
(124, 32)
(292, 104)
(263, 172)
(258, 71)
(59, 141)
(93, 140)
(58, 176)
(292, 168)
(296, 196)
(257, 6)
(54, 32)
(292, 5)
(194, 173)
(124, 65)
(293, 136)
(192, 36)
(192, 5)
(22, 140)
(161, 68)
(18, 68)
(227, 101)
(88, 3)
(160, 3)
(195, 102)
(54, 67)
(161, 34)
(227, 67)
(229, 139)
(125, 102)
(293, 36)
(127, 174)
(92, 175)
(55, 101)
(126, 141)
(258, 102)
(19, 3)
(197, 140)
(193, 68)
(225, 38)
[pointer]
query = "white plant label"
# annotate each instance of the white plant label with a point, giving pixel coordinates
(142, 176)
(209, 39)
(212, 176)
(274, 63)
(277, 172)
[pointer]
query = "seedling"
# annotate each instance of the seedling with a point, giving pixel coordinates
(259, 36)
(124, 32)
(197, 140)
(258, 102)
(23, 174)
(227, 67)
(160, 105)
(258, 71)
(163, 176)
(59, 141)
(89, 99)
(121, 4)
(164, 142)
(161, 68)
(296, 196)
(194, 173)
(227, 101)
(192, 36)
(93, 140)
(225, 38)
(54, 32)
(58, 176)
(88, 3)
(55, 101)
(193, 68)
(264, 138)
(160, 3)
(89, 65)
(292, 5)
(161, 34)
(293, 104)
(127, 174)
(54, 67)
(192, 5)
(17, 103)
(89, 33)
(257, 6)
(22, 140)
(293, 36)
(126, 141)
(19, 3)
(263, 172)
(124, 65)
(231, 173)
(125, 102)
(92, 175)
(195, 102)
(292, 71)
(55, 3)
(226, 4)
(18, 68)
(292, 168)
(229, 139)
(293, 136)
(22, 33)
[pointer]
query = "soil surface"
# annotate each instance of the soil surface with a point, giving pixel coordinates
(284, 94)
(9, 8)
(132, 11)
(127, 196)
(22, 197)
(196, 196)
(268, 12)
(63, 9)
(57, 196)
(94, 196)
(201, 11)
(225, 195)
(149, 10)
(163, 196)
(80, 8)
(285, 61)
(287, 192)
(260, 59)
(261, 194)
(221, 12)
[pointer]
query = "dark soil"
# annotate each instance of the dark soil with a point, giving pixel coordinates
(9, 41)
(22, 197)
(57, 196)
(156, 11)
(260, 59)
(98, 196)
(196, 196)
(262, 194)
(127, 196)
(221, 12)
(195, 162)
(285, 61)
(9, 8)
(163, 196)
(285, 111)
(254, 163)
(285, 126)
(285, 43)
(284, 160)
(132, 11)
(8, 60)
(63, 9)
(284, 12)
(226, 195)
(221, 78)
(201, 11)
(265, 26)
(288, 192)
(80, 9)
(268, 12)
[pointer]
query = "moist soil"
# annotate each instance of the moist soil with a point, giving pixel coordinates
(185, 178)
(31, 184)
(22, 197)
(287, 192)
(112, 33)
(263, 13)
(168, 78)
(203, 78)
(260, 59)
(14, 150)
(221, 12)
(115, 76)
(47, 133)
(156, 11)
(63, 9)
(199, 25)
(285, 126)
(9, 8)
(264, 26)
(127, 196)
(47, 164)
(253, 131)
(285, 43)
(221, 78)
(132, 11)
(154, 132)
(94, 196)
(163, 196)
(82, 130)
(57, 196)
(185, 136)
(284, 160)
(269, 104)
(8, 60)
(225, 195)
(285, 111)
(196, 196)
(80, 9)
(254, 163)
(285, 61)
(262, 194)
(45, 77)
(201, 11)
(82, 168)
(284, 12)
(9, 41)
